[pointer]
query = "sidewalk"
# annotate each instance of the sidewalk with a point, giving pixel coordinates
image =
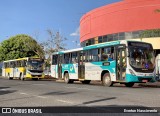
(155, 84)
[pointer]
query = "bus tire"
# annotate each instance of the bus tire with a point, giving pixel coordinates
(10, 78)
(86, 81)
(35, 79)
(106, 80)
(66, 79)
(129, 84)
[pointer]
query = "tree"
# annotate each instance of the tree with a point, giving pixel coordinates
(54, 43)
(20, 46)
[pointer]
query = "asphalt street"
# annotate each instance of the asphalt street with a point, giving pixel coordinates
(16, 93)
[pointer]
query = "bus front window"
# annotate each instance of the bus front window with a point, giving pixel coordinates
(35, 65)
(141, 58)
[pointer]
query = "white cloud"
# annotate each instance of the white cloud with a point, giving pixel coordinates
(76, 33)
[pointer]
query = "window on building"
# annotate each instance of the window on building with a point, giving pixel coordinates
(128, 35)
(115, 36)
(83, 44)
(92, 41)
(135, 34)
(100, 39)
(121, 36)
(105, 38)
(110, 37)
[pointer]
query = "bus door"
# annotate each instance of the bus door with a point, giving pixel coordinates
(54, 65)
(12, 69)
(121, 62)
(81, 66)
(59, 66)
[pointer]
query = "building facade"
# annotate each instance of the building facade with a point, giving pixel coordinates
(127, 19)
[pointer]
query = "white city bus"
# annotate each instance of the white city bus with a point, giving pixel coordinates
(126, 62)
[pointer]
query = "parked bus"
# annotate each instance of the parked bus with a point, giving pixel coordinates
(126, 62)
(23, 68)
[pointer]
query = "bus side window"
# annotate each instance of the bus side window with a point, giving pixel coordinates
(4, 65)
(74, 57)
(95, 55)
(24, 63)
(66, 58)
(104, 54)
(12, 65)
(54, 59)
(112, 54)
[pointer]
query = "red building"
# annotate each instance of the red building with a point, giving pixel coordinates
(126, 19)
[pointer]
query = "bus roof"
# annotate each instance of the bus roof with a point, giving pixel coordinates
(99, 45)
(68, 51)
(26, 58)
(102, 45)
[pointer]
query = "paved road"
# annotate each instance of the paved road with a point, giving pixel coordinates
(16, 93)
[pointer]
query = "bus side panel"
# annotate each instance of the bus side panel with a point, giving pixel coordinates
(72, 69)
(53, 71)
(94, 69)
(20, 71)
(11, 72)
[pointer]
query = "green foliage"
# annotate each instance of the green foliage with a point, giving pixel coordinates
(150, 33)
(19, 46)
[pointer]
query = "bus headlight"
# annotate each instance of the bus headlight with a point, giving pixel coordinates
(131, 71)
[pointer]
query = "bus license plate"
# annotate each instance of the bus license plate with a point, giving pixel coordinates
(145, 81)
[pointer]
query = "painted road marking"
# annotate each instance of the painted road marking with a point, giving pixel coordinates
(65, 101)
(3, 89)
(33, 95)
(40, 96)
(24, 94)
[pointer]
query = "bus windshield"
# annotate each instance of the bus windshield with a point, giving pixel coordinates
(141, 56)
(35, 65)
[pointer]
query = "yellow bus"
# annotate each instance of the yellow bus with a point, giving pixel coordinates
(23, 68)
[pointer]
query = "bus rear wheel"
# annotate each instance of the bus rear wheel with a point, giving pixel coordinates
(129, 84)
(106, 80)
(66, 79)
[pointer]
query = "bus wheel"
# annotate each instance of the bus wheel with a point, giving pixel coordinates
(66, 78)
(106, 80)
(35, 79)
(10, 78)
(86, 81)
(129, 84)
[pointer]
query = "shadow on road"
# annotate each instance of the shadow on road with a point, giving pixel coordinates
(59, 93)
(94, 101)
(4, 87)
(2, 92)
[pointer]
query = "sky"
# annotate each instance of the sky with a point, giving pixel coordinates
(34, 17)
